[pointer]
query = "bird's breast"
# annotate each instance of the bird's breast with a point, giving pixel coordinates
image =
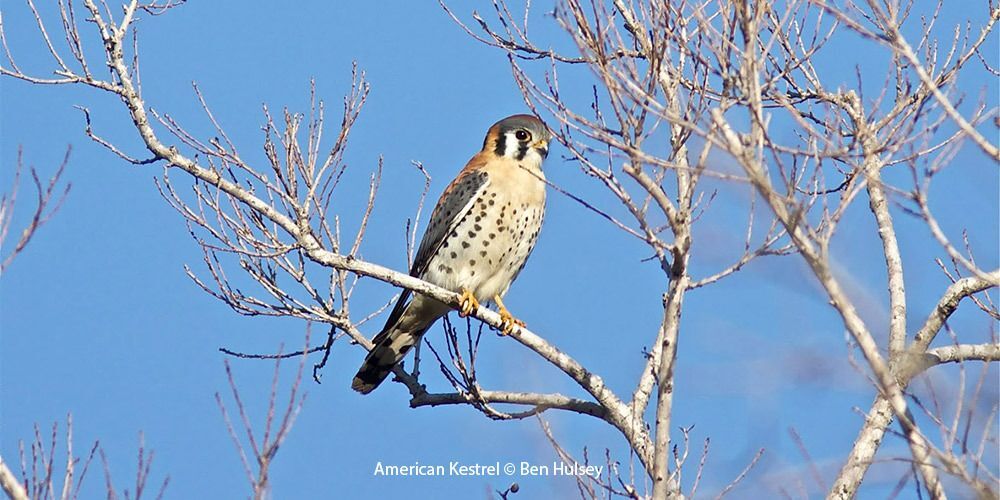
(491, 243)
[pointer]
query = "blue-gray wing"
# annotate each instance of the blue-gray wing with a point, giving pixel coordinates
(455, 203)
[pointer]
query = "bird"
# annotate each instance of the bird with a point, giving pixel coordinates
(477, 241)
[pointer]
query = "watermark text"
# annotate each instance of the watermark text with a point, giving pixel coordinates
(493, 469)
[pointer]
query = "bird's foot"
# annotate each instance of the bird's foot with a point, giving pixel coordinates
(508, 323)
(468, 303)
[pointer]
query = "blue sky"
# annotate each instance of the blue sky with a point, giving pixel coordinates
(98, 319)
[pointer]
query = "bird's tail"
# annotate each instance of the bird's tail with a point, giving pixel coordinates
(390, 347)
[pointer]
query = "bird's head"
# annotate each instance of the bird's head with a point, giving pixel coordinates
(522, 138)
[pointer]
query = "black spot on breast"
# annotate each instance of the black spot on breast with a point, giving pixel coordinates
(492, 203)
(472, 262)
(465, 244)
(472, 234)
(477, 227)
(454, 255)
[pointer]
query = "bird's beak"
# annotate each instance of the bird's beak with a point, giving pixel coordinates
(542, 146)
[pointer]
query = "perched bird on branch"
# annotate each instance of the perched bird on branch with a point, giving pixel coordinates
(477, 240)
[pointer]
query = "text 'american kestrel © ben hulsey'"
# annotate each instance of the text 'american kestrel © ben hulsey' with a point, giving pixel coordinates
(477, 240)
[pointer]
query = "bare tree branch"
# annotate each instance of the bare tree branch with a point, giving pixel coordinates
(47, 203)
(9, 483)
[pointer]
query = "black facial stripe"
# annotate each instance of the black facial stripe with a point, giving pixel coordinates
(522, 149)
(501, 145)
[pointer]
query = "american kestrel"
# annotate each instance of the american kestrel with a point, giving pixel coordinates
(477, 240)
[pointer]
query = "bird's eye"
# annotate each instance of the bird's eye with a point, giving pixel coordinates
(522, 135)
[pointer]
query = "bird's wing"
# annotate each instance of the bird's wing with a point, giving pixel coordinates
(456, 201)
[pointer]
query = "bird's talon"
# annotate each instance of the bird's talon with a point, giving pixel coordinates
(508, 323)
(468, 304)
